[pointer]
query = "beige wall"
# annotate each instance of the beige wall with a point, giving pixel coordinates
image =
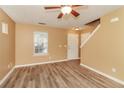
(105, 50)
(87, 28)
(24, 44)
(7, 45)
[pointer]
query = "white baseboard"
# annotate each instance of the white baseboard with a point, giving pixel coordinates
(73, 59)
(47, 62)
(40, 63)
(6, 76)
(108, 76)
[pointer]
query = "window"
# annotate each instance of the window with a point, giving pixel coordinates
(40, 43)
(4, 28)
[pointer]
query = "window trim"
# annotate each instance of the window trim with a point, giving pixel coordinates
(38, 54)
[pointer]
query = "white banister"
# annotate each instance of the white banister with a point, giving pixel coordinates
(85, 41)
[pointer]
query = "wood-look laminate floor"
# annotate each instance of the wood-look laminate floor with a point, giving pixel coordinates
(58, 75)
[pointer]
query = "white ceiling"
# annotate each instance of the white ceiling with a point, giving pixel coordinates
(33, 14)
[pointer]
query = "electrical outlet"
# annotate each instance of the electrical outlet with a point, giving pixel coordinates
(8, 66)
(60, 46)
(11, 64)
(49, 57)
(65, 45)
(114, 70)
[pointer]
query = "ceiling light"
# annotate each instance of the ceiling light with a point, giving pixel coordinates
(66, 9)
(76, 28)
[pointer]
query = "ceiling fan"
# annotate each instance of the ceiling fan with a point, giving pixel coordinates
(65, 9)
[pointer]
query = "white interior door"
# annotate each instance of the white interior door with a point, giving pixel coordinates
(73, 46)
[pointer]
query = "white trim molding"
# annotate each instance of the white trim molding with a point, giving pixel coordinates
(47, 62)
(92, 34)
(103, 74)
(6, 76)
(40, 63)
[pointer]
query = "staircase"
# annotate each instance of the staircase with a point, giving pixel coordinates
(86, 36)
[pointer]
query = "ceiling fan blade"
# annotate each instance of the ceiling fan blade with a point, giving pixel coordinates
(60, 15)
(76, 14)
(54, 7)
(77, 5)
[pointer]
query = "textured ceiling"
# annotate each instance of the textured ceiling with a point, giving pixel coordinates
(34, 14)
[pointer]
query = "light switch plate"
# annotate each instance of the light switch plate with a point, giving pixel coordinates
(60, 46)
(115, 19)
(4, 28)
(113, 70)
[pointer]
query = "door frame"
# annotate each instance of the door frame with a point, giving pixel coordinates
(77, 37)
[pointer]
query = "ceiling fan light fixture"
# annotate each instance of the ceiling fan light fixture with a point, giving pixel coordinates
(66, 10)
(76, 28)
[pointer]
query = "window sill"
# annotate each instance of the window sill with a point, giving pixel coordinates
(45, 54)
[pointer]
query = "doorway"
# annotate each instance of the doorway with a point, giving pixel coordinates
(73, 46)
